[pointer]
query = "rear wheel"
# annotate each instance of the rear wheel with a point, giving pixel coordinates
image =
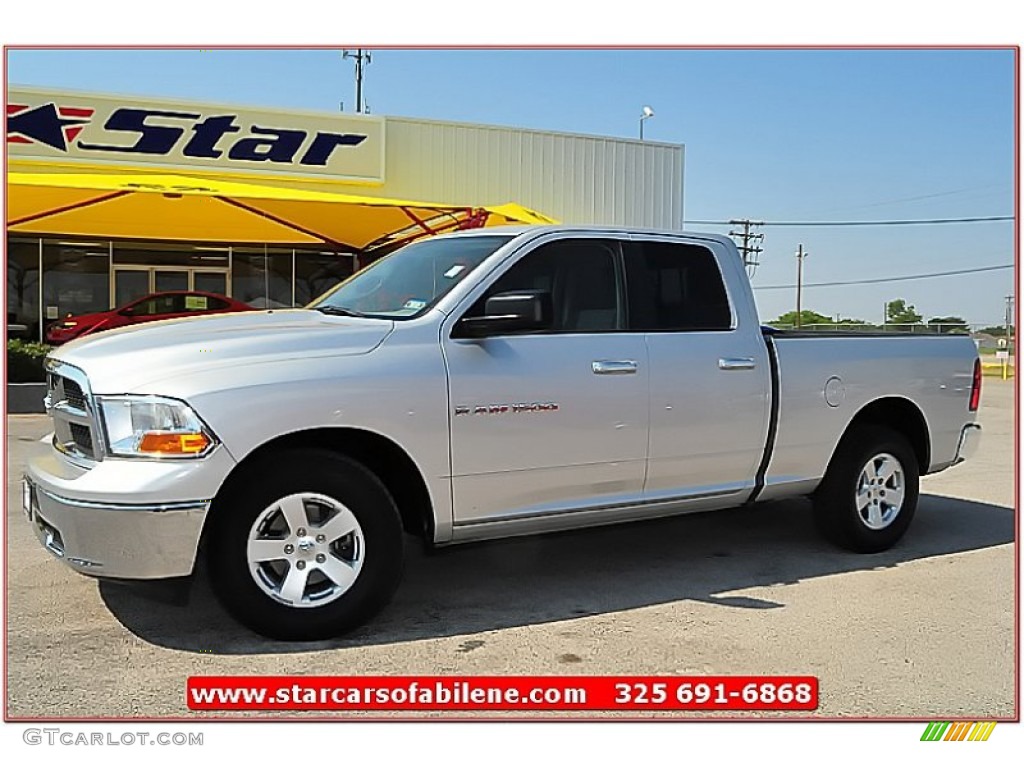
(869, 494)
(305, 547)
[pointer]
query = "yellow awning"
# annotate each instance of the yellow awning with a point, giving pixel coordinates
(178, 207)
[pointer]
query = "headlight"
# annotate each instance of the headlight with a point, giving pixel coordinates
(153, 427)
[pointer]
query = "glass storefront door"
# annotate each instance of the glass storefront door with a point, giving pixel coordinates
(210, 281)
(129, 284)
(170, 280)
(133, 282)
(49, 278)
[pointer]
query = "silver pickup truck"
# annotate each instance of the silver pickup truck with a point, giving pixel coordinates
(490, 383)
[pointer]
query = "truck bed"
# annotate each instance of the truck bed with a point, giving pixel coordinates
(825, 378)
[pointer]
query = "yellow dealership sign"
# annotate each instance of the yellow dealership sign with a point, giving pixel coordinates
(151, 134)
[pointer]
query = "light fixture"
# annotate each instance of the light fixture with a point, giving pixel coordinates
(646, 114)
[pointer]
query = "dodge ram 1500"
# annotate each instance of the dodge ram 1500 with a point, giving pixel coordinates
(490, 383)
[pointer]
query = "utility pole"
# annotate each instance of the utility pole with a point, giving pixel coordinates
(360, 57)
(1009, 319)
(800, 256)
(749, 251)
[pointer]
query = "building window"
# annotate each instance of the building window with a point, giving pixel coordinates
(141, 268)
(317, 272)
(76, 278)
(23, 289)
(261, 277)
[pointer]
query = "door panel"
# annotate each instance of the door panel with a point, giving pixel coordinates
(708, 422)
(710, 379)
(535, 429)
(555, 420)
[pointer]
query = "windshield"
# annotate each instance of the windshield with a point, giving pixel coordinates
(411, 279)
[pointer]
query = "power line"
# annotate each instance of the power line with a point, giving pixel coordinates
(915, 198)
(885, 279)
(889, 223)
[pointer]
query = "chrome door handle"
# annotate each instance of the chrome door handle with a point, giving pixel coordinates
(614, 367)
(736, 363)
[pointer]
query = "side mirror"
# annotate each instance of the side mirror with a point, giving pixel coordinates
(510, 312)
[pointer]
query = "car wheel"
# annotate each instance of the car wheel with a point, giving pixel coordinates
(304, 547)
(868, 497)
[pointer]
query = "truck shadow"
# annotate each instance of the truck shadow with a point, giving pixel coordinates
(520, 582)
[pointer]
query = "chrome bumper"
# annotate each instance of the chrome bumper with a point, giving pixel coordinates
(128, 542)
(970, 437)
(113, 520)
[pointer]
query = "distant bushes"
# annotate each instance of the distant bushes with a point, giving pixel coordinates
(25, 361)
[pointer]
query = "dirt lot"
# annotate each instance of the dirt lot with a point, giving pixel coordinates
(925, 630)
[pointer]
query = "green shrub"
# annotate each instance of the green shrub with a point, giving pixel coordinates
(25, 361)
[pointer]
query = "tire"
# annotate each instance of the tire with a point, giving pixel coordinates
(304, 546)
(869, 494)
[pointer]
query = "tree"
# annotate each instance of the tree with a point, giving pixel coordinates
(898, 311)
(951, 324)
(807, 317)
(997, 330)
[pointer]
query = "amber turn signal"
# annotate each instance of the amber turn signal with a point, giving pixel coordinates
(174, 443)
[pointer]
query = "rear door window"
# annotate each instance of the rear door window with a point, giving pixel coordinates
(674, 287)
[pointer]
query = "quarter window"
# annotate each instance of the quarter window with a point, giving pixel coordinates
(675, 287)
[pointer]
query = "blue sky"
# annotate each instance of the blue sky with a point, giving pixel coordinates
(781, 135)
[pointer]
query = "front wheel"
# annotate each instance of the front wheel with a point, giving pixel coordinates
(305, 547)
(869, 494)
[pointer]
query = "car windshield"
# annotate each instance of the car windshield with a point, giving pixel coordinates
(411, 279)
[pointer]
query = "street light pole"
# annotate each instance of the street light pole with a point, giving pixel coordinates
(646, 114)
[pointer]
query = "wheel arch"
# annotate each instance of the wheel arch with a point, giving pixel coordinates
(392, 465)
(902, 415)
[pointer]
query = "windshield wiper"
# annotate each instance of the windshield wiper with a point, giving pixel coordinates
(329, 309)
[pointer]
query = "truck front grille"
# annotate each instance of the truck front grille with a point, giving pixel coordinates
(82, 438)
(69, 404)
(74, 395)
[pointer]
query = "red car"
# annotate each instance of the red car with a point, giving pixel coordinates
(156, 306)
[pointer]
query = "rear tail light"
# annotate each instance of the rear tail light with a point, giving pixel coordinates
(975, 387)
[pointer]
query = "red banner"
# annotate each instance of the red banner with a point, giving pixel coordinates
(508, 693)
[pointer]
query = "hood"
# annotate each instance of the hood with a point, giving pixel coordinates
(126, 360)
